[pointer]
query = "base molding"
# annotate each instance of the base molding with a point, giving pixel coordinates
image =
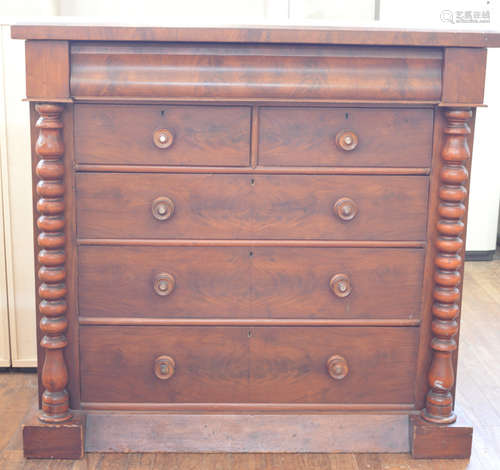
(54, 441)
(436, 441)
(295, 433)
(479, 255)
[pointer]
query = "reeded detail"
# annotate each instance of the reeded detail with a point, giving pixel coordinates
(448, 264)
(51, 256)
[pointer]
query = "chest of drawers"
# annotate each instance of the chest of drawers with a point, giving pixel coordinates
(250, 239)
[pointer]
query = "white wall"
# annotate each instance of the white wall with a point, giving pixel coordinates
(485, 176)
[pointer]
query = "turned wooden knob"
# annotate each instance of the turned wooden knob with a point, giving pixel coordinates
(163, 138)
(162, 208)
(345, 208)
(164, 367)
(340, 285)
(164, 284)
(337, 367)
(346, 140)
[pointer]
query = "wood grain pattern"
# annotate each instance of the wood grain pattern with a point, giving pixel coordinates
(470, 63)
(249, 365)
(259, 34)
(250, 282)
(203, 135)
(236, 433)
(307, 137)
(252, 206)
(47, 70)
(255, 71)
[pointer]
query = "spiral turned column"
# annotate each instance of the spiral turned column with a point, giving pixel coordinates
(448, 266)
(51, 257)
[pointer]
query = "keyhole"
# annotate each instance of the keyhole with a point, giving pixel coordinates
(250, 253)
(252, 181)
(249, 333)
(162, 112)
(347, 115)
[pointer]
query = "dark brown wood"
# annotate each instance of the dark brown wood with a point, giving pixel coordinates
(254, 433)
(431, 441)
(252, 206)
(65, 440)
(125, 134)
(250, 282)
(47, 70)
(247, 365)
(449, 263)
(51, 258)
(259, 228)
(259, 34)
(307, 137)
(470, 65)
(271, 71)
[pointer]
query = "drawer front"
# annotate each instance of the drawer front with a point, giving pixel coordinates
(328, 207)
(162, 135)
(345, 137)
(248, 364)
(245, 282)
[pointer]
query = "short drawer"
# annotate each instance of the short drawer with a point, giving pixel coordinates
(250, 282)
(345, 137)
(162, 135)
(302, 365)
(211, 206)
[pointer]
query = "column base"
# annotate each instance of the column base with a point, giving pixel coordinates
(64, 440)
(440, 441)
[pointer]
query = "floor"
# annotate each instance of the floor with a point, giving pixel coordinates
(478, 397)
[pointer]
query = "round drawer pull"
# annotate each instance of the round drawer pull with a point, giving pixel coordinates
(164, 367)
(163, 208)
(337, 367)
(345, 208)
(164, 284)
(340, 285)
(346, 140)
(163, 138)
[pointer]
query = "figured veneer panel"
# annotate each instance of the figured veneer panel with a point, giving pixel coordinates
(249, 282)
(230, 71)
(247, 365)
(250, 206)
(307, 137)
(202, 135)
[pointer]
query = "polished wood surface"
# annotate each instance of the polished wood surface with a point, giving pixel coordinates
(218, 206)
(258, 34)
(202, 135)
(477, 366)
(247, 365)
(307, 137)
(270, 71)
(250, 282)
(304, 204)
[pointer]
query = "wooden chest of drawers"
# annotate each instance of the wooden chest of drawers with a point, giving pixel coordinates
(250, 239)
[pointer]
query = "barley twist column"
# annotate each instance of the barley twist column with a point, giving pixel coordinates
(51, 257)
(448, 266)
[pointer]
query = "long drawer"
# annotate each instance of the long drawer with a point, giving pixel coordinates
(248, 364)
(328, 207)
(246, 282)
(345, 137)
(162, 135)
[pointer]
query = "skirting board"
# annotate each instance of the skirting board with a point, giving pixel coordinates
(333, 433)
(479, 255)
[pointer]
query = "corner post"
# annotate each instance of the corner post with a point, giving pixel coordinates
(54, 431)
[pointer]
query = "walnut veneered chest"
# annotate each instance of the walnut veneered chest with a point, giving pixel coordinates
(250, 239)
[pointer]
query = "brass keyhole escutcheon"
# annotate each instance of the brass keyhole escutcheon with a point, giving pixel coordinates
(164, 367)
